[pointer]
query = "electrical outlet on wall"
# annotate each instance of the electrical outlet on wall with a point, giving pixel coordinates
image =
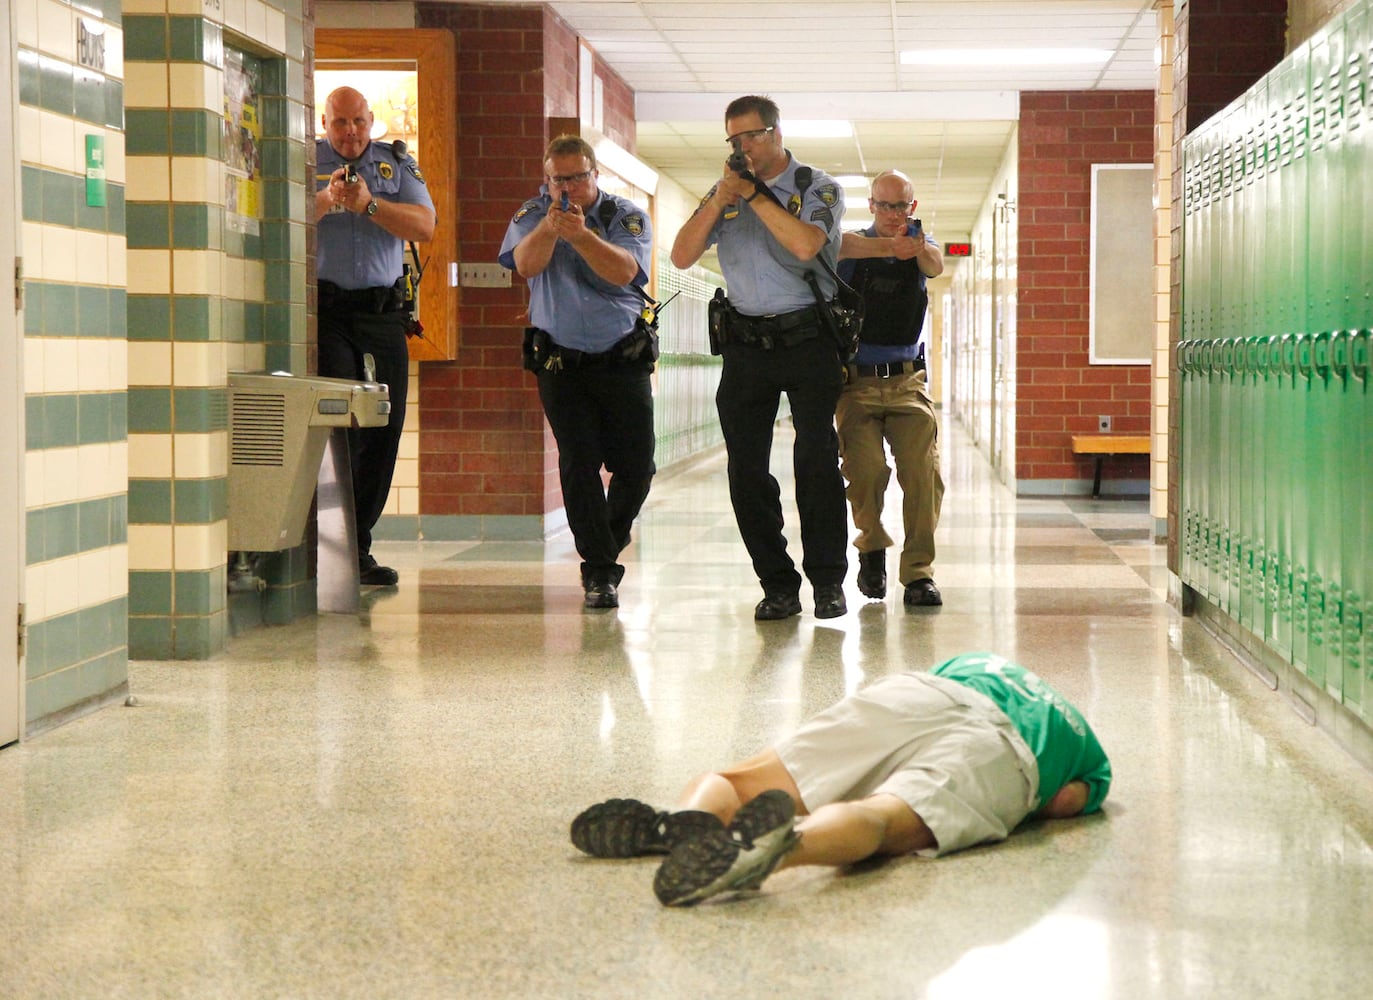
(1103, 423)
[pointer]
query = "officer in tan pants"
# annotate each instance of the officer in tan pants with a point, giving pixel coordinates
(885, 396)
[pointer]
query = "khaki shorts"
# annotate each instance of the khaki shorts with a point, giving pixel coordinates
(944, 749)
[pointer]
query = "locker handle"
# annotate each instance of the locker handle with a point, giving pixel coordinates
(1253, 351)
(1287, 354)
(1303, 354)
(1320, 354)
(1358, 355)
(1339, 353)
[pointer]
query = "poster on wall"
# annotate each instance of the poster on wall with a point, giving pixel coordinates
(242, 142)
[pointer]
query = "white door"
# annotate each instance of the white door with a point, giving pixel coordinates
(11, 397)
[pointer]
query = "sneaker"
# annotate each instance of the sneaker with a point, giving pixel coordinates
(370, 574)
(717, 861)
(872, 574)
(922, 594)
(627, 828)
(601, 594)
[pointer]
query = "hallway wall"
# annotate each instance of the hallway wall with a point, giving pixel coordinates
(76, 462)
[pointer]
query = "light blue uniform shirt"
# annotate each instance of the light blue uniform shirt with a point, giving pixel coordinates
(881, 354)
(354, 252)
(567, 299)
(764, 277)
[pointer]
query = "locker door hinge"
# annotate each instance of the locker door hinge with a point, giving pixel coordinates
(18, 284)
(23, 634)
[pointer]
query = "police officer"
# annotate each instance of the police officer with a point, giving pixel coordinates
(370, 199)
(581, 249)
(885, 394)
(769, 233)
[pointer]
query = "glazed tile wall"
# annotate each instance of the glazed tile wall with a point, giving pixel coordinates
(75, 368)
(205, 297)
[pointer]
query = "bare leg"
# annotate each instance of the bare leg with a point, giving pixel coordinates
(846, 832)
(723, 792)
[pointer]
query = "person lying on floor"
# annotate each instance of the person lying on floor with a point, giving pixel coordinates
(914, 763)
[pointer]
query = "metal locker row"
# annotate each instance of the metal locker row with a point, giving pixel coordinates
(1277, 465)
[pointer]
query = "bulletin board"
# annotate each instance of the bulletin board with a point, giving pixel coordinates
(1121, 330)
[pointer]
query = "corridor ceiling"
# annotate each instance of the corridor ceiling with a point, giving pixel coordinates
(946, 125)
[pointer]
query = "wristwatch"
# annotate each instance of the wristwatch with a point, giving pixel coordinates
(372, 207)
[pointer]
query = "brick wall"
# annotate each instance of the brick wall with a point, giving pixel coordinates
(1059, 393)
(485, 449)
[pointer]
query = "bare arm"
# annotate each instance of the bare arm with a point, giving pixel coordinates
(802, 239)
(401, 220)
(691, 240)
(928, 257)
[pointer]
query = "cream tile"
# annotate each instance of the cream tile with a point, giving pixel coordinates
(92, 252)
(57, 30)
(26, 23)
(150, 547)
(35, 479)
(62, 467)
(145, 86)
(31, 124)
(186, 85)
(150, 456)
(201, 456)
(118, 564)
(57, 143)
(199, 364)
(235, 15)
(94, 474)
(254, 281)
(255, 18)
(59, 374)
(59, 254)
(200, 546)
(114, 52)
(34, 349)
(150, 272)
(150, 363)
(195, 178)
(195, 272)
(60, 580)
(93, 578)
(154, 7)
(116, 249)
(275, 29)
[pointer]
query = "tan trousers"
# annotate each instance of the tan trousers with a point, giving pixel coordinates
(896, 410)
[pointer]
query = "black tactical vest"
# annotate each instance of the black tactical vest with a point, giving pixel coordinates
(894, 300)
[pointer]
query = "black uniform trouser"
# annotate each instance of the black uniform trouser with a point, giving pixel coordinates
(751, 384)
(601, 415)
(344, 337)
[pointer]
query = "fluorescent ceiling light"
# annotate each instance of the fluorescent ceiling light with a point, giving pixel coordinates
(802, 128)
(1003, 57)
(853, 181)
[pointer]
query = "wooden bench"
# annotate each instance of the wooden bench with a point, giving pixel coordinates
(1101, 445)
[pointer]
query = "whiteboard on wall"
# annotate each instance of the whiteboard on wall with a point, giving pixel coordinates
(1121, 328)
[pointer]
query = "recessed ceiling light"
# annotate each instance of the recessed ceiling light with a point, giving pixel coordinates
(803, 128)
(853, 181)
(1003, 57)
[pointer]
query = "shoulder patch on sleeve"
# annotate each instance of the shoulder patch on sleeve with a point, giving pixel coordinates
(828, 194)
(525, 209)
(414, 168)
(633, 223)
(823, 215)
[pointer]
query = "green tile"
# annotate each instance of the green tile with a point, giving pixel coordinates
(60, 192)
(34, 291)
(115, 209)
(58, 639)
(119, 519)
(56, 86)
(186, 39)
(190, 226)
(50, 422)
(201, 501)
(61, 531)
(150, 411)
(92, 311)
(89, 96)
(59, 310)
(214, 45)
(95, 631)
(119, 313)
(30, 89)
(191, 134)
(95, 218)
(114, 104)
(150, 593)
(150, 501)
(31, 189)
(145, 38)
(95, 524)
(253, 322)
(149, 317)
(93, 417)
(35, 547)
(147, 132)
(199, 638)
(191, 318)
(198, 410)
(148, 225)
(231, 320)
(201, 593)
(151, 638)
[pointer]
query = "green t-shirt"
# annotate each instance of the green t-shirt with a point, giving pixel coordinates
(1063, 744)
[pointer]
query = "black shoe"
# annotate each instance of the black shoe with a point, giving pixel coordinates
(922, 594)
(717, 861)
(872, 574)
(774, 607)
(602, 594)
(626, 828)
(370, 574)
(829, 601)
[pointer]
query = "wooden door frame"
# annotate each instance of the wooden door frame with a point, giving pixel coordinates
(433, 53)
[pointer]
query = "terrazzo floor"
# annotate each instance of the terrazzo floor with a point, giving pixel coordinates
(377, 805)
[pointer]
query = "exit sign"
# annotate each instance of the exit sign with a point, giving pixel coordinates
(958, 249)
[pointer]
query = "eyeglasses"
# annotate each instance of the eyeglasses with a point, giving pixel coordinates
(890, 206)
(567, 180)
(752, 135)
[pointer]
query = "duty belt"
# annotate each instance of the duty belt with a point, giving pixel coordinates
(888, 369)
(775, 330)
(381, 299)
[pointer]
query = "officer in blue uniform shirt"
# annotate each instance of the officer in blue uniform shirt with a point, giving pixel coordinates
(583, 252)
(370, 199)
(885, 395)
(773, 343)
